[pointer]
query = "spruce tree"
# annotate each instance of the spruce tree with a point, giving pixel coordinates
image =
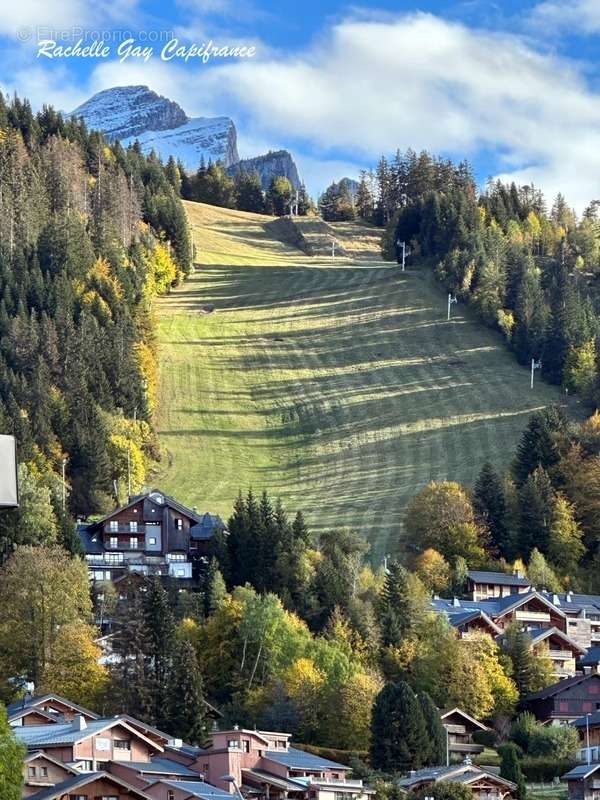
(436, 732)
(537, 448)
(214, 589)
(187, 710)
(160, 627)
(399, 740)
(529, 672)
(537, 503)
(510, 769)
(490, 506)
(394, 611)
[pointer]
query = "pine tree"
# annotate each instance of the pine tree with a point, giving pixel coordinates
(489, 502)
(396, 606)
(187, 709)
(214, 588)
(565, 548)
(249, 192)
(160, 631)
(399, 740)
(529, 672)
(537, 504)
(537, 448)
(436, 732)
(510, 769)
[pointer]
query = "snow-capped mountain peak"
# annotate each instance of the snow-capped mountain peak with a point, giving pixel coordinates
(131, 113)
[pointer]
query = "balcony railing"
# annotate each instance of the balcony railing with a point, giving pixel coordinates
(562, 655)
(455, 728)
(125, 528)
(465, 747)
(337, 782)
(594, 757)
(540, 616)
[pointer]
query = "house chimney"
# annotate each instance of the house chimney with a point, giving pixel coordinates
(456, 602)
(79, 723)
(569, 596)
(556, 599)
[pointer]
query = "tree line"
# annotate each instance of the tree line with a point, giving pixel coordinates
(89, 233)
(212, 184)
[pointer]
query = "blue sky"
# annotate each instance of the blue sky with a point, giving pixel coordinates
(513, 86)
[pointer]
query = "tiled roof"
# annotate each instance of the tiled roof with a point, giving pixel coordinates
(497, 578)
(300, 759)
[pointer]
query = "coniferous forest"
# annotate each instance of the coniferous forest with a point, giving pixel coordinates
(89, 233)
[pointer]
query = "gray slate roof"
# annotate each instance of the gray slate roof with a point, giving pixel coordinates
(198, 789)
(162, 766)
(591, 658)
(80, 780)
(207, 527)
(462, 773)
(498, 578)
(36, 700)
(300, 759)
(580, 771)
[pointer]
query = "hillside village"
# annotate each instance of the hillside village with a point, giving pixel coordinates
(389, 584)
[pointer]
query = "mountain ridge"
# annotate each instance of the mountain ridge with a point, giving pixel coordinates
(137, 113)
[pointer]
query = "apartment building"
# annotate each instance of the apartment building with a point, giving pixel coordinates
(153, 534)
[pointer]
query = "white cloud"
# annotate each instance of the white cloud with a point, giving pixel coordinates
(424, 82)
(371, 85)
(61, 15)
(566, 16)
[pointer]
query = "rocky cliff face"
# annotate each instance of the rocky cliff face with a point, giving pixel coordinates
(127, 111)
(131, 113)
(274, 163)
(136, 113)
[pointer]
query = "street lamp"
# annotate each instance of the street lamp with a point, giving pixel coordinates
(231, 779)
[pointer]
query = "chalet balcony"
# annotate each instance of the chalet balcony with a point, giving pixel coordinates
(465, 747)
(558, 655)
(125, 528)
(354, 784)
(456, 729)
(532, 616)
(582, 755)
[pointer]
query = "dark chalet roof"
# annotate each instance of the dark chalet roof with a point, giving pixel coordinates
(497, 578)
(557, 688)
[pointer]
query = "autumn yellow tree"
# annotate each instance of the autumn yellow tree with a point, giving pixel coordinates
(433, 570)
(441, 517)
(72, 669)
(42, 589)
